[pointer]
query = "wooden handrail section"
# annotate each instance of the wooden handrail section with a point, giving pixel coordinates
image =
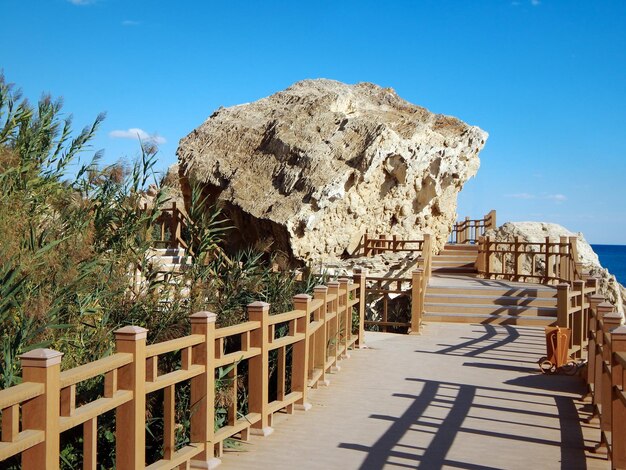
(549, 262)
(320, 333)
(470, 230)
(605, 377)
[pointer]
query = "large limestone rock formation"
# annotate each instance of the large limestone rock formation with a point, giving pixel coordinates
(612, 290)
(309, 169)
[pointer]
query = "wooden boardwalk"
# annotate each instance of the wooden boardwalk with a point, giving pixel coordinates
(462, 396)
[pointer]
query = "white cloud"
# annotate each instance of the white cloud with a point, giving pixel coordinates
(81, 2)
(546, 197)
(535, 2)
(556, 197)
(136, 133)
(130, 23)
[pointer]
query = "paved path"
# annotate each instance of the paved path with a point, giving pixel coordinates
(458, 396)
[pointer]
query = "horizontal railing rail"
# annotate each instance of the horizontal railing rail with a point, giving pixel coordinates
(315, 336)
(378, 244)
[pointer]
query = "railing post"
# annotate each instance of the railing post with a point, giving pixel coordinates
(42, 413)
(478, 265)
(573, 246)
(203, 391)
(466, 230)
(562, 305)
(258, 373)
(300, 361)
(346, 315)
(333, 327)
(321, 338)
(603, 309)
(488, 258)
(578, 321)
(610, 321)
(549, 268)
(618, 409)
(427, 254)
(517, 258)
(492, 220)
(563, 268)
(360, 276)
(417, 301)
(130, 418)
(594, 301)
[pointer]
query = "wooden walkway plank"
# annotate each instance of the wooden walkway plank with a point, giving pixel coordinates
(458, 396)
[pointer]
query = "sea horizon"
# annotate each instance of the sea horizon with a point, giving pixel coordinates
(613, 258)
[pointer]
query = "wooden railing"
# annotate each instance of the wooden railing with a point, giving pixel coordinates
(606, 377)
(469, 230)
(573, 312)
(320, 331)
(548, 262)
(414, 286)
(389, 243)
(170, 225)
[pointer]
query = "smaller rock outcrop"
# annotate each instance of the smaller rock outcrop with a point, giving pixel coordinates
(612, 290)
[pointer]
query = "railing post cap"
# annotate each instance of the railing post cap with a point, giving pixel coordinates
(360, 271)
(619, 331)
(259, 305)
(131, 332)
(596, 298)
(203, 317)
(41, 358)
(605, 306)
(320, 289)
(562, 286)
(333, 284)
(343, 280)
(613, 317)
(305, 297)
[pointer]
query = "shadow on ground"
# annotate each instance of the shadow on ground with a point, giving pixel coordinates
(527, 409)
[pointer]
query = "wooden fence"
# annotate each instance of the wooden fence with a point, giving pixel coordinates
(320, 331)
(573, 312)
(469, 230)
(170, 226)
(549, 262)
(413, 287)
(606, 378)
(389, 243)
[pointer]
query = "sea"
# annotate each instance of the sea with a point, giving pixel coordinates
(613, 258)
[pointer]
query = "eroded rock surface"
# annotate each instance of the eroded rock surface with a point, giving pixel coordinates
(307, 170)
(612, 290)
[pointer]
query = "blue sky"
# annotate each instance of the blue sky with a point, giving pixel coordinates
(546, 79)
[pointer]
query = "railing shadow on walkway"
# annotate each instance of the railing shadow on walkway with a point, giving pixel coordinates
(527, 409)
(493, 339)
(461, 403)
